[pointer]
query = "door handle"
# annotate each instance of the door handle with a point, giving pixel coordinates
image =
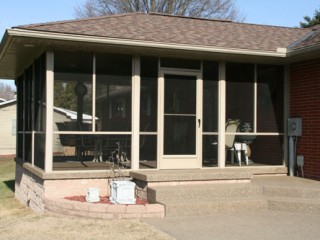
(199, 122)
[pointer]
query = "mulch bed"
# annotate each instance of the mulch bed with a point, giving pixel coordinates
(103, 200)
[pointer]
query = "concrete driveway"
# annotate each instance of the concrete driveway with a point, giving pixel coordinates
(261, 225)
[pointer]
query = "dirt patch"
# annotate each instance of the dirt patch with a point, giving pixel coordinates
(33, 226)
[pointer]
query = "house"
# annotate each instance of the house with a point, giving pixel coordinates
(8, 128)
(167, 92)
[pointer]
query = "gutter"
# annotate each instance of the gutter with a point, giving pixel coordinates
(5, 43)
(305, 50)
(137, 43)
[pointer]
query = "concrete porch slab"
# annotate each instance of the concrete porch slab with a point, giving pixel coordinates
(212, 174)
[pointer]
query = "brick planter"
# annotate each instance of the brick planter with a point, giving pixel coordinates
(105, 211)
(47, 195)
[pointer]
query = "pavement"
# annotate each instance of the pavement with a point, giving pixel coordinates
(261, 225)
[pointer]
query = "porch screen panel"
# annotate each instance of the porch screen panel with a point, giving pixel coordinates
(148, 112)
(240, 92)
(73, 90)
(266, 150)
(254, 141)
(270, 98)
(113, 92)
(210, 114)
(149, 94)
(40, 111)
(28, 111)
(40, 94)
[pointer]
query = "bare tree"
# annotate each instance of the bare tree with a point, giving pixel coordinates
(7, 91)
(215, 9)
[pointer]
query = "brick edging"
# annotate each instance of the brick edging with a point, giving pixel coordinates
(105, 211)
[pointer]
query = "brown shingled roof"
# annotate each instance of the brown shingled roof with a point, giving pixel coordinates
(312, 39)
(178, 30)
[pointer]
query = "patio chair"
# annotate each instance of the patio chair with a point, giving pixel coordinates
(232, 127)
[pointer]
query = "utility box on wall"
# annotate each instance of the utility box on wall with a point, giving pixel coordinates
(122, 192)
(294, 127)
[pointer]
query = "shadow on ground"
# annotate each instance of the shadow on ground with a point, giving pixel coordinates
(9, 184)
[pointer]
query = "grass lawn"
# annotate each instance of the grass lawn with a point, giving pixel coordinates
(19, 222)
(9, 206)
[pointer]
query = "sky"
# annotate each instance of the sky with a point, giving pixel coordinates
(286, 13)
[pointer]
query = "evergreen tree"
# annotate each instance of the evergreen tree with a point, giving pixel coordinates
(309, 22)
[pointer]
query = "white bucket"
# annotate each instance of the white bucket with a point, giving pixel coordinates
(122, 192)
(93, 195)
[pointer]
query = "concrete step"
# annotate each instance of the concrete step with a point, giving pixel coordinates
(202, 192)
(294, 204)
(199, 199)
(292, 192)
(203, 207)
(192, 175)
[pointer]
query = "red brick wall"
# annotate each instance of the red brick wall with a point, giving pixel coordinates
(305, 103)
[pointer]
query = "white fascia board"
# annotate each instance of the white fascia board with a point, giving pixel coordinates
(137, 43)
(305, 50)
(5, 43)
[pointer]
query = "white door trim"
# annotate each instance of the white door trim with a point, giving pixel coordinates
(189, 161)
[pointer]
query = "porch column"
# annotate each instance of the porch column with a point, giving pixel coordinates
(135, 144)
(287, 87)
(49, 111)
(222, 115)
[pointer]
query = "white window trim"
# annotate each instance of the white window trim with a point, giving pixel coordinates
(135, 116)
(49, 111)
(222, 115)
(184, 72)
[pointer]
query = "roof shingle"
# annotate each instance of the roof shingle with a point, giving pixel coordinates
(178, 30)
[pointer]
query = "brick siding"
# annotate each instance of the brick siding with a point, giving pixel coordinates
(305, 103)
